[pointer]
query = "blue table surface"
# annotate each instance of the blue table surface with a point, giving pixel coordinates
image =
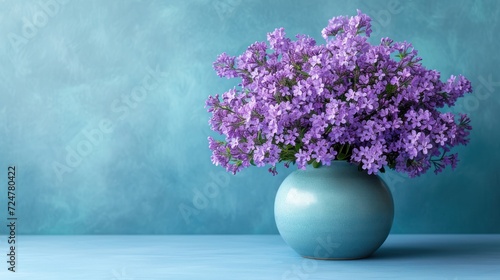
(245, 257)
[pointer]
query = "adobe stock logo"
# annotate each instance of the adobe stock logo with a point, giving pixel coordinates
(308, 266)
(122, 274)
(201, 198)
(91, 136)
(481, 93)
(226, 8)
(383, 17)
(30, 27)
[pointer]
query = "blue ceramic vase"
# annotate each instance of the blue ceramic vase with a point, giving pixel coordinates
(334, 212)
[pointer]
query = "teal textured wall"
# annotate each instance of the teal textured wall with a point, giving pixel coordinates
(102, 112)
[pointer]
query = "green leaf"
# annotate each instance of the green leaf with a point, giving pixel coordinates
(344, 152)
(390, 89)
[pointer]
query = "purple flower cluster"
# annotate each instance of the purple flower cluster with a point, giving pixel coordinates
(303, 103)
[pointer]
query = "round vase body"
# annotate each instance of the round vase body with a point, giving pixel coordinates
(334, 212)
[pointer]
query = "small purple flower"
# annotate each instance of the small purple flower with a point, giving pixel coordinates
(302, 158)
(224, 66)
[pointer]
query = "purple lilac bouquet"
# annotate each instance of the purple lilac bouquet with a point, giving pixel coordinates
(303, 103)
